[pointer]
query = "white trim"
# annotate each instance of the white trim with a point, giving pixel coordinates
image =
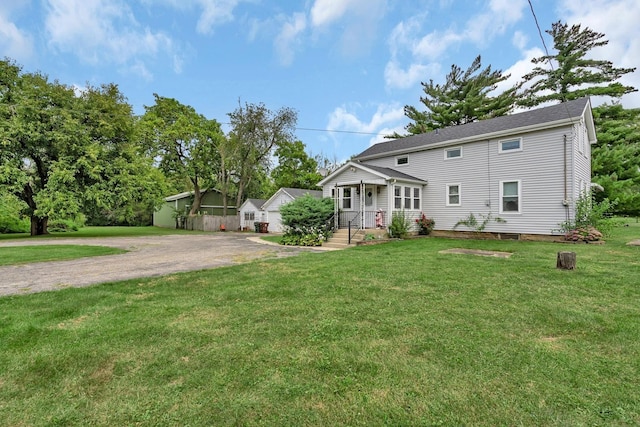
(447, 194)
(519, 211)
(447, 150)
(510, 150)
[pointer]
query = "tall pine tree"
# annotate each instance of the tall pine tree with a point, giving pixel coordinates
(463, 98)
(569, 74)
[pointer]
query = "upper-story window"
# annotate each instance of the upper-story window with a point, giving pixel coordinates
(452, 153)
(402, 160)
(510, 145)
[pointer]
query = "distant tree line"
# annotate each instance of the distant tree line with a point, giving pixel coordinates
(84, 156)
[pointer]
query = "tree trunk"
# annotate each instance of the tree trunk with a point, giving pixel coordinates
(197, 199)
(566, 260)
(39, 225)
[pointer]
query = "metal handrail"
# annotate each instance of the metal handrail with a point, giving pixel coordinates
(358, 229)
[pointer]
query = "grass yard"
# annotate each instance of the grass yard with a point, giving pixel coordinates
(102, 232)
(391, 334)
(26, 254)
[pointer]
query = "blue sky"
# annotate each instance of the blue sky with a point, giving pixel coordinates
(348, 65)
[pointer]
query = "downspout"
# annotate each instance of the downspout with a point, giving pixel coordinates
(565, 201)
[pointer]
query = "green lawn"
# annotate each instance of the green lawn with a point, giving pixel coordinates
(102, 232)
(391, 334)
(26, 254)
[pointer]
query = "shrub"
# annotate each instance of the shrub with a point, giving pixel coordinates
(478, 226)
(11, 218)
(591, 221)
(399, 227)
(425, 225)
(306, 221)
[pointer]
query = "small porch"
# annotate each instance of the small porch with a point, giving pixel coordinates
(360, 205)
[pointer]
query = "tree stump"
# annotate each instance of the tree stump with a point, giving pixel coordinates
(566, 260)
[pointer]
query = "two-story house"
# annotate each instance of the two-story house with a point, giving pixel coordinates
(526, 168)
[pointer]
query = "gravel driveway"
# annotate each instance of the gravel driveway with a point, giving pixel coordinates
(147, 256)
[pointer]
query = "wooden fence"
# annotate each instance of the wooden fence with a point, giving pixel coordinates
(212, 222)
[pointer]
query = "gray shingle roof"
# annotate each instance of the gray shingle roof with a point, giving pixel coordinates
(392, 173)
(567, 110)
(299, 192)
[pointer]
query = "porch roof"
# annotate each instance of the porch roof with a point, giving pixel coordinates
(382, 175)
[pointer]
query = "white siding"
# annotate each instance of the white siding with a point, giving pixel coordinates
(539, 167)
(272, 209)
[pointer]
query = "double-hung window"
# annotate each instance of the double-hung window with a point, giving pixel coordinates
(453, 195)
(406, 197)
(510, 197)
(346, 198)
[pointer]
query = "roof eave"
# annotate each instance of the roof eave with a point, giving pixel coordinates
(485, 136)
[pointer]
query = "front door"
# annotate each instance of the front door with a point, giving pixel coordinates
(370, 206)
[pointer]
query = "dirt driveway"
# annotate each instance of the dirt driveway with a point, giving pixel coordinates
(147, 256)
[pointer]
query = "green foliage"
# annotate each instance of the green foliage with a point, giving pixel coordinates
(187, 144)
(463, 98)
(592, 219)
(615, 159)
(11, 217)
(573, 75)
(306, 221)
(64, 154)
(62, 225)
(400, 225)
(472, 222)
(256, 132)
(295, 168)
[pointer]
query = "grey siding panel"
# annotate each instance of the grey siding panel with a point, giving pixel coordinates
(539, 167)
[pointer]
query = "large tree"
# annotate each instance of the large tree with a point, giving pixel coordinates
(295, 167)
(616, 157)
(466, 96)
(186, 143)
(256, 132)
(63, 154)
(569, 73)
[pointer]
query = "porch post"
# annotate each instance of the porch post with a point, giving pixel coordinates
(336, 201)
(362, 199)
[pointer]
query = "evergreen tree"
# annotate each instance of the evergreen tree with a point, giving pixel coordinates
(572, 75)
(616, 157)
(463, 98)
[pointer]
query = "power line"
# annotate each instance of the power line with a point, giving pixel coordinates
(328, 130)
(339, 131)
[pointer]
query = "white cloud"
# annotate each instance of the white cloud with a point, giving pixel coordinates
(325, 12)
(215, 12)
(288, 38)
(396, 77)
(14, 42)
(426, 51)
(358, 20)
(385, 115)
(103, 31)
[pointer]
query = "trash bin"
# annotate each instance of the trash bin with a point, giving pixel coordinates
(256, 226)
(264, 227)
